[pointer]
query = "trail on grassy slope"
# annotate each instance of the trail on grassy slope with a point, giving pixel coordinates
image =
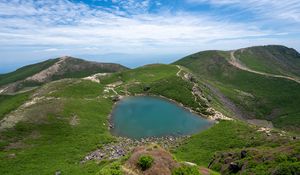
(217, 115)
(235, 62)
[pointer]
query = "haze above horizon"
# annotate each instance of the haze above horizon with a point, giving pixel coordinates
(135, 32)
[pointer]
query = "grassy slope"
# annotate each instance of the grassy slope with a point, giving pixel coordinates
(10, 102)
(274, 99)
(233, 136)
(25, 72)
(271, 59)
(223, 136)
(148, 73)
(160, 80)
(268, 94)
(47, 142)
(59, 145)
(261, 160)
(70, 68)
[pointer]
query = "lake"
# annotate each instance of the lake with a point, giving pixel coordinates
(147, 116)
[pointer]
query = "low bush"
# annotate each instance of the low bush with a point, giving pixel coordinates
(112, 169)
(145, 162)
(186, 170)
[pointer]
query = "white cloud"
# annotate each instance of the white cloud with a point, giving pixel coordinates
(133, 6)
(61, 27)
(65, 23)
(280, 9)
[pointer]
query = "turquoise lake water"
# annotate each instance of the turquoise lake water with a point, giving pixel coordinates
(145, 116)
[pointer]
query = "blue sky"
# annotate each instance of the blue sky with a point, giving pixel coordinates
(137, 32)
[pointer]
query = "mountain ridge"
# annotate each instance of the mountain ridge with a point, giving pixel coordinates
(54, 69)
(258, 95)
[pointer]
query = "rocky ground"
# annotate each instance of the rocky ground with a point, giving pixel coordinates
(122, 146)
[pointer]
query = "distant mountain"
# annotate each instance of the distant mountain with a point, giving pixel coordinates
(53, 69)
(259, 82)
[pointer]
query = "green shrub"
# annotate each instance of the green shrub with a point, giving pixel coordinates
(186, 170)
(112, 169)
(145, 162)
(287, 168)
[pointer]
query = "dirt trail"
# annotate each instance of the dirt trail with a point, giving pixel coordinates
(195, 91)
(235, 62)
(180, 69)
(3, 90)
(238, 113)
(186, 79)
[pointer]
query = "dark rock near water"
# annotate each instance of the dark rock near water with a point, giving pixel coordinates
(234, 167)
(146, 88)
(115, 98)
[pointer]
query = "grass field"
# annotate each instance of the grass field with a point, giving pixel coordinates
(271, 59)
(258, 96)
(75, 124)
(11, 102)
(51, 143)
(61, 130)
(201, 147)
(230, 138)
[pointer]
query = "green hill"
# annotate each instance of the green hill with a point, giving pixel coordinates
(273, 59)
(26, 71)
(257, 96)
(53, 69)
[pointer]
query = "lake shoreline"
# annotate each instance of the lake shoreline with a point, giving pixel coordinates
(189, 109)
(123, 146)
(111, 120)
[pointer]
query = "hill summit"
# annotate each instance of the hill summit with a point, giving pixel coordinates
(53, 69)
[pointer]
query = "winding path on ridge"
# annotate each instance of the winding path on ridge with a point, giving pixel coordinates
(237, 112)
(236, 63)
(185, 79)
(224, 100)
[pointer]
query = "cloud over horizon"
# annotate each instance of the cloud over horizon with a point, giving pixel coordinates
(32, 29)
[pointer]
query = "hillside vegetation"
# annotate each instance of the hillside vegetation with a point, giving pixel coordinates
(54, 127)
(221, 147)
(26, 71)
(69, 119)
(257, 96)
(11, 102)
(274, 59)
(58, 130)
(50, 70)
